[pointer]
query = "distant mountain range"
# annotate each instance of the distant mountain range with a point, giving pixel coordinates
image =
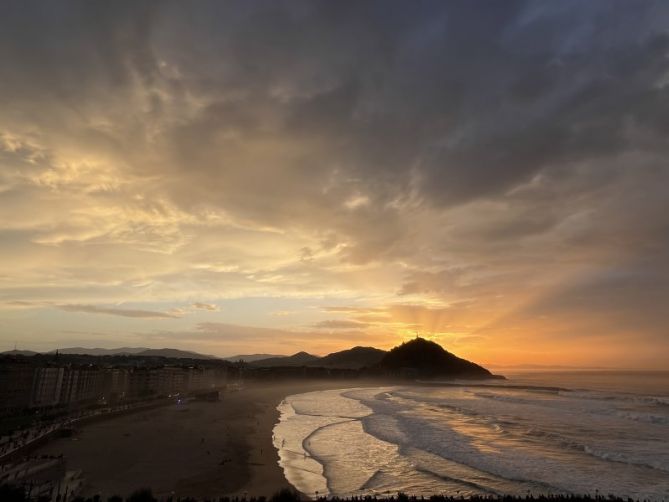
(418, 357)
(123, 351)
(173, 353)
(143, 351)
(15, 352)
(355, 358)
(299, 359)
(249, 358)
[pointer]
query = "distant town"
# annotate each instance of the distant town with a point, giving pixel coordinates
(70, 381)
(61, 383)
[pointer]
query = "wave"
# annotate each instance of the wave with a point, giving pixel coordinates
(598, 453)
(503, 385)
(469, 439)
(644, 417)
(307, 448)
(659, 401)
(469, 484)
(376, 480)
(506, 398)
(617, 406)
(303, 472)
(307, 439)
(517, 431)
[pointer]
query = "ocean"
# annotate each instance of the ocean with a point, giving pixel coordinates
(553, 433)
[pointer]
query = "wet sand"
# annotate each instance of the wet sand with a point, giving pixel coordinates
(198, 449)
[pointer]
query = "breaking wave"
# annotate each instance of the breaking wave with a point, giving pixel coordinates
(475, 440)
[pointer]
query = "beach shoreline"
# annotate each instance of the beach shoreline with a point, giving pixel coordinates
(266, 476)
(198, 449)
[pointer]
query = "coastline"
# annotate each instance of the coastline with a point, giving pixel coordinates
(208, 450)
(201, 450)
(266, 476)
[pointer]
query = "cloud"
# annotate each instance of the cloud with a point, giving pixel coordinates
(339, 324)
(206, 306)
(481, 164)
(407, 318)
(93, 309)
(354, 310)
(19, 304)
(612, 302)
(426, 282)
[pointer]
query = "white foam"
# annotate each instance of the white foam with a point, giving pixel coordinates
(459, 440)
(301, 416)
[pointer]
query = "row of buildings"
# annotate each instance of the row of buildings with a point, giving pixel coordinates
(28, 386)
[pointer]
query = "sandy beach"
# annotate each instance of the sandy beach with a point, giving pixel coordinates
(198, 449)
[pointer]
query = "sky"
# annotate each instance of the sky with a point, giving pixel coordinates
(243, 177)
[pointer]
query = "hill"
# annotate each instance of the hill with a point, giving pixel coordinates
(355, 358)
(173, 354)
(249, 358)
(133, 351)
(299, 359)
(99, 352)
(15, 352)
(423, 358)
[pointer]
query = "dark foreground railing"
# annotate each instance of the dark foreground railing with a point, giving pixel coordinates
(9, 493)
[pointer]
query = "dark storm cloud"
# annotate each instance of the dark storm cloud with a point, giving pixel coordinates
(469, 98)
(476, 97)
(108, 41)
(448, 101)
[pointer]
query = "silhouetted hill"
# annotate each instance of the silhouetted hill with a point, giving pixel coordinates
(299, 359)
(249, 358)
(355, 358)
(99, 352)
(173, 353)
(26, 353)
(423, 358)
(133, 351)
